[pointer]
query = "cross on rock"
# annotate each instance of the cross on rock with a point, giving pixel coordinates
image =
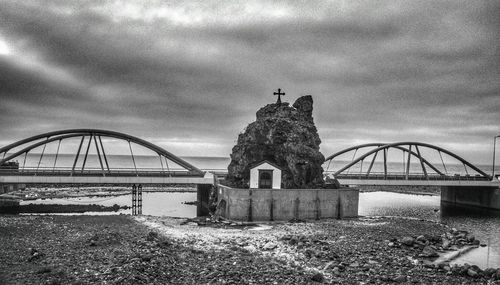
(279, 95)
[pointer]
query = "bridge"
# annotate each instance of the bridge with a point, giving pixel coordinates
(170, 169)
(413, 168)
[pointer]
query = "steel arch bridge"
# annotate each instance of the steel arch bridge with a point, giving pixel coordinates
(12, 171)
(429, 173)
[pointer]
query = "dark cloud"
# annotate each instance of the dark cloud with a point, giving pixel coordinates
(378, 70)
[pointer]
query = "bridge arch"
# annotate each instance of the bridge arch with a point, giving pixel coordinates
(33, 142)
(406, 147)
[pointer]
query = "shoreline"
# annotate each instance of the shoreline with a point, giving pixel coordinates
(400, 192)
(35, 193)
(146, 249)
(414, 190)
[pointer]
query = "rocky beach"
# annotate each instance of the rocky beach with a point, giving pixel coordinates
(159, 250)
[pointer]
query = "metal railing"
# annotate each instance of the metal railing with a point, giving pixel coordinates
(68, 171)
(412, 176)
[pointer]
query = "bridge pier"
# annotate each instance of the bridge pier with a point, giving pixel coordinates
(476, 196)
(203, 199)
(136, 200)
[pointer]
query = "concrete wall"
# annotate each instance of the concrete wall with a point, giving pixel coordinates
(203, 199)
(478, 196)
(6, 188)
(254, 175)
(286, 204)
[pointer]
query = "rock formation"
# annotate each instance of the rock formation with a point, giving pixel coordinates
(283, 135)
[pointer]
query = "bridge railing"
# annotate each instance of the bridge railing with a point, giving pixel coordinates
(412, 176)
(68, 171)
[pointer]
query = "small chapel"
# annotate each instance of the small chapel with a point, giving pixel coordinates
(265, 175)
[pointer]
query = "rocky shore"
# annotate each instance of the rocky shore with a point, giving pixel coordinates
(67, 191)
(159, 250)
(57, 208)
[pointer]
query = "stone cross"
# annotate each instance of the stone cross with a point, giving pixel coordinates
(279, 95)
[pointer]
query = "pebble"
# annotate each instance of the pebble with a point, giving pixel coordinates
(400, 279)
(471, 273)
(270, 246)
(421, 238)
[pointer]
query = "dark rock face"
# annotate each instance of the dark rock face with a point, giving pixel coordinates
(285, 136)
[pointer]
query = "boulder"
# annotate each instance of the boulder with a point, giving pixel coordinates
(407, 241)
(286, 136)
(429, 252)
(318, 277)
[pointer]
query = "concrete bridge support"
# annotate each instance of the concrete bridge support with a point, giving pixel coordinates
(475, 196)
(203, 192)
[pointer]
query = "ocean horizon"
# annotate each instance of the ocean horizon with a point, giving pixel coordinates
(218, 163)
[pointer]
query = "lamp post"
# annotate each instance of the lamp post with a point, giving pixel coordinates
(494, 146)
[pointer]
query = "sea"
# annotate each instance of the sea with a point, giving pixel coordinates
(486, 227)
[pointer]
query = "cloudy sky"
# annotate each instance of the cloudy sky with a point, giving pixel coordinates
(189, 76)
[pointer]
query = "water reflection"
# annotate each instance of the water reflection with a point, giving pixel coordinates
(154, 203)
(484, 224)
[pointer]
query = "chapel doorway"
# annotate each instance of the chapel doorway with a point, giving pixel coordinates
(265, 179)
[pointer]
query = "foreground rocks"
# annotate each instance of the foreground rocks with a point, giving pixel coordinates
(154, 250)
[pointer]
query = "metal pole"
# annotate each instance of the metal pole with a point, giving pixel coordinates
(87, 152)
(385, 163)
(371, 164)
(408, 162)
(328, 167)
(41, 156)
(133, 159)
(104, 154)
(494, 147)
(168, 168)
(99, 155)
(77, 155)
(353, 156)
(421, 162)
(445, 170)
(24, 162)
(161, 162)
(57, 153)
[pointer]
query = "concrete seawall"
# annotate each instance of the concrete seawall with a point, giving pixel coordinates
(286, 204)
(476, 196)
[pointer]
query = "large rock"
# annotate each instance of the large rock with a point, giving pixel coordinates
(286, 136)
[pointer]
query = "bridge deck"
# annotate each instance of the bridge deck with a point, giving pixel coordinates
(345, 181)
(98, 177)
(415, 180)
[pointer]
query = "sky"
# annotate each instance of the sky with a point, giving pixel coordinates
(190, 75)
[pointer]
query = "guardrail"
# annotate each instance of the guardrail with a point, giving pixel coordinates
(150, 172)
(399, 176)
